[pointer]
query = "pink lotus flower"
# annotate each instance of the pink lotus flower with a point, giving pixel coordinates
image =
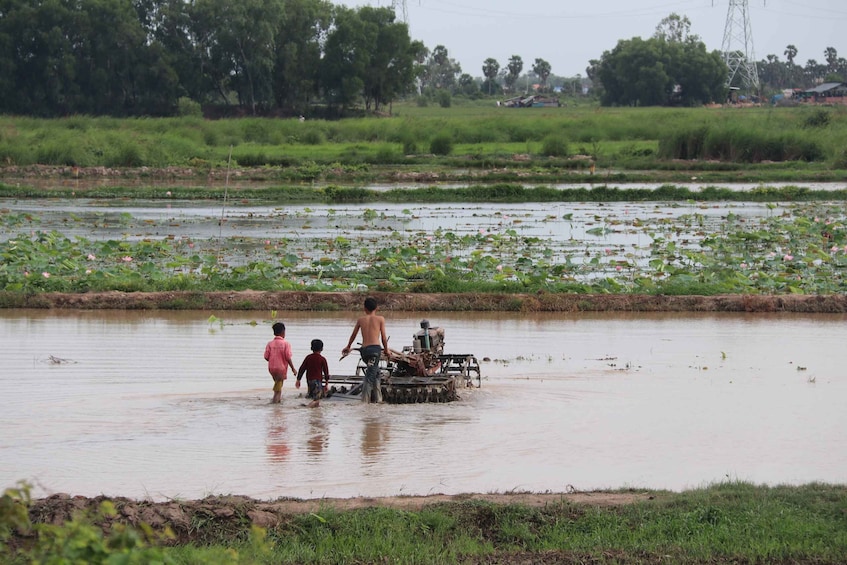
(127, 259)
(743, 265)
(618, 268)
(45, 274)
(91, 257)
(168, 193)
(499, 267)
(26, 273)
(787, 257)
(88, 271)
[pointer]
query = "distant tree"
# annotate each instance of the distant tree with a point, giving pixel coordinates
(238, 39)
(773, 74)
(440, 71)
(831, 58)
(656, 72)
(814, 72)
(490, 68)
(542, 69)
(592, 71)
(790, 53)
(675, 28)
(468, 85)
(368, 55)
(515, 67)
(298, 48)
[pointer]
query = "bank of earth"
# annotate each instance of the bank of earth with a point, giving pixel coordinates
(412, 302)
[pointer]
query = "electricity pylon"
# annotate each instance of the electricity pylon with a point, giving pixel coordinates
(737, 46)
(404, 11)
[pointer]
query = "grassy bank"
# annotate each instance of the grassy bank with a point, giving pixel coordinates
(810, 140)
(731, 522)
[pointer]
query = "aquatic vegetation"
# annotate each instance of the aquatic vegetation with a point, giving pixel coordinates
(699, 249)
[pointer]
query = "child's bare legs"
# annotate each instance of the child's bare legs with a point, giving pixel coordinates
(277, 391)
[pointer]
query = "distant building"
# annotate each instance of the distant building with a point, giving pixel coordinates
(826, 93)
(532, 101)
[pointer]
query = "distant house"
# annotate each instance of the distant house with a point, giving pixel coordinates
(827, 93)
(532, 101)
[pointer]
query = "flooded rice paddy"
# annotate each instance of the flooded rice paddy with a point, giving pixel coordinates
(175, 405)
(238, 232)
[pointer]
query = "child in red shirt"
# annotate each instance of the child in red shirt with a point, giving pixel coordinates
(317, 370)
(279, 358)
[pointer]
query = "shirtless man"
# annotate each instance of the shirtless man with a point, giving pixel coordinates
(374, 341)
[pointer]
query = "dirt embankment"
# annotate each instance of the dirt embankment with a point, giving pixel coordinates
(234, 514)
(342, 301)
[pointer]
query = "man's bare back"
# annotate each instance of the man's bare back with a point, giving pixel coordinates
(372, 327)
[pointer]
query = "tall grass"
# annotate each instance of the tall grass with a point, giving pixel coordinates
(749, 135)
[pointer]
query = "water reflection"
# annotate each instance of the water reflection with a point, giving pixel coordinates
(374, 437)
(318, 432)
(277, 443)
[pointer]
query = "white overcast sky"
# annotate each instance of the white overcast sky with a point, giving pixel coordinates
(569, 33)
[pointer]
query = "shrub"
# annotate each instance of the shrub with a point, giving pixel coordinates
(312, 136)
(441, 144)
(445, 99)
(819, 118)
(554, 145)
(185, 106)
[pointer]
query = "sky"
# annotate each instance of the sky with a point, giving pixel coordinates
(568, 33)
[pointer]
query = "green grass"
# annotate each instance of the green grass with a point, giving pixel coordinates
(730, 522)
(481, 134)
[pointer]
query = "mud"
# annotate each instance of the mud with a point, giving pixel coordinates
(470, 302)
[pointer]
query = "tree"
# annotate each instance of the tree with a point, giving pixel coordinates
(440, 70)
(814, 72)
(368, 55)
(468, 85)
(390, 68)
(831, 58)
(790, 53)
(298, 50)
(515, 67)
(675, 28)
(237, 42)
(657, 72)
(542, 69)
(490, 68)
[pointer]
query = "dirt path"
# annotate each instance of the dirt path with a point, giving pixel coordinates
(344, 301)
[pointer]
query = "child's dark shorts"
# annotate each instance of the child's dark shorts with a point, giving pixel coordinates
(316, 390)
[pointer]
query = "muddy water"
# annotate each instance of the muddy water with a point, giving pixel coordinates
(158, 405)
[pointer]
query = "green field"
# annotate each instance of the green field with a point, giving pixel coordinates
(794, 143)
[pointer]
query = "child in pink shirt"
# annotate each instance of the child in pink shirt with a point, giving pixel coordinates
(279, 358)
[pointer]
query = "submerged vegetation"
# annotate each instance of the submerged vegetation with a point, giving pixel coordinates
(731, 522)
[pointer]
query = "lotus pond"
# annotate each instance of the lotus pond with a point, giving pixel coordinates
(690, 247)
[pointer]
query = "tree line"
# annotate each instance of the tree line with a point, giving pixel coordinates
(142, 57)
(776, 75)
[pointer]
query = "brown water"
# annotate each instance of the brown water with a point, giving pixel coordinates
(159, 405)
